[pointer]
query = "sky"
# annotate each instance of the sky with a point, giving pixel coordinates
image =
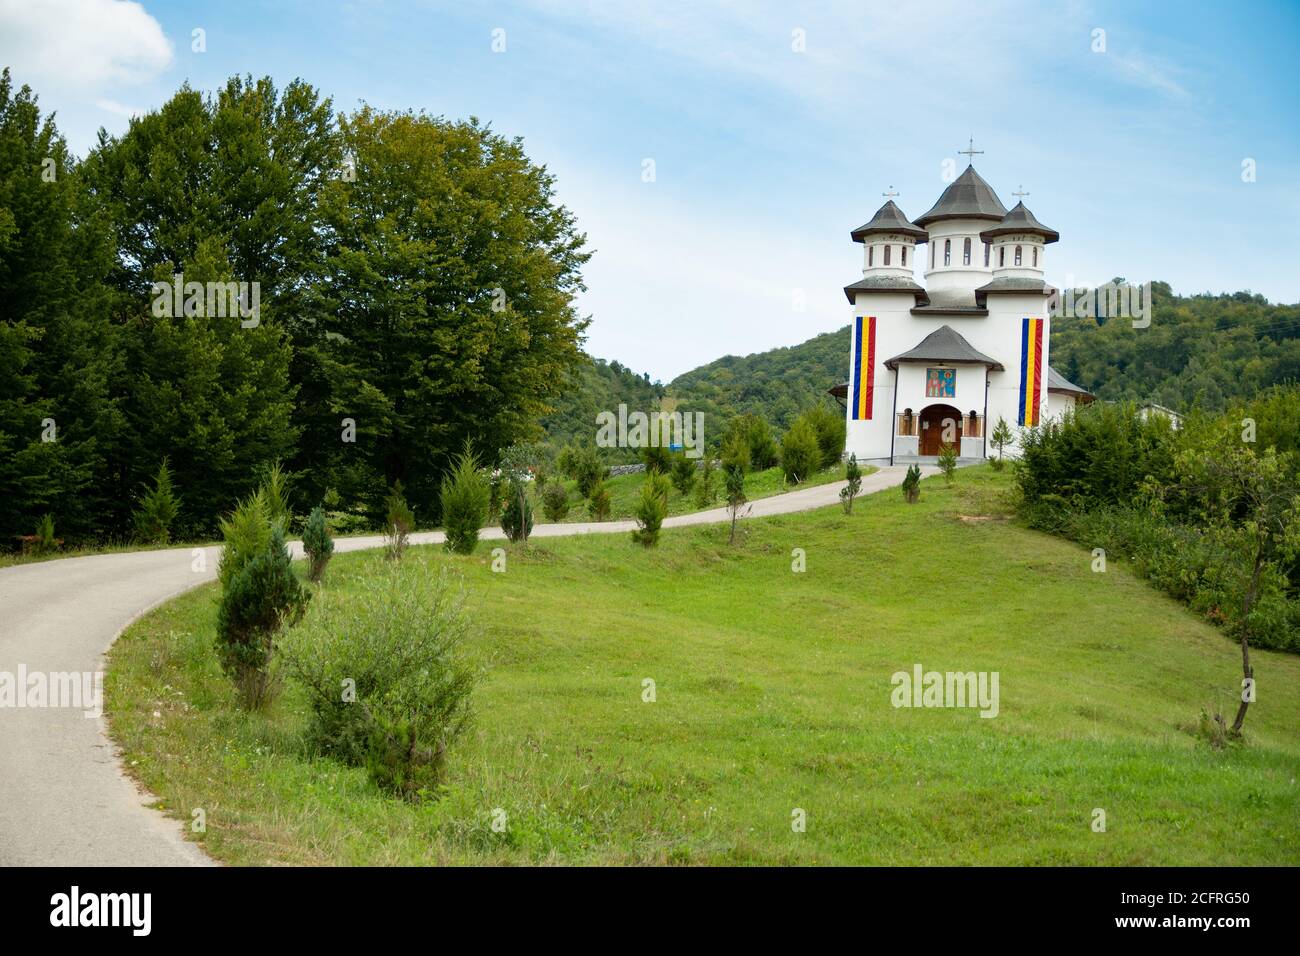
(717, 153)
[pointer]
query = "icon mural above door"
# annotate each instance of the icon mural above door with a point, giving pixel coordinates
(940, 382)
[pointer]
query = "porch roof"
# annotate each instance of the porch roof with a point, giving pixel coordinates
(944, 344)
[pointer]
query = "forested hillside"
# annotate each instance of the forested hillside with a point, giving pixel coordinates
(1203, 350)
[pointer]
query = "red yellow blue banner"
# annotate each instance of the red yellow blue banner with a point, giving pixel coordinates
(1031, 371)
(864, 366)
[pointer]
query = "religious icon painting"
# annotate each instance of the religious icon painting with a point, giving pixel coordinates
(940, 382)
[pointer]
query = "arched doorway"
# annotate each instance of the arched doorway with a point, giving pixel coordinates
(939, 423)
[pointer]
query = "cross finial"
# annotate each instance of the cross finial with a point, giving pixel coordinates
(970, 152)
(1020, 195)
(890, 194)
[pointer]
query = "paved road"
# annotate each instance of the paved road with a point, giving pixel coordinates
(64, 799)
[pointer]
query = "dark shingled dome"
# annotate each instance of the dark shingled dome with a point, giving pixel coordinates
(969, 197)
(944, 344)
(1020, 219)
(889, 218)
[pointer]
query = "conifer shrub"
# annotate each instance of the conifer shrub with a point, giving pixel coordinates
(830, 429)
(852, 475)
(706, 489)
(517, 513)
(598, 505)
(948, 461)
(399, 522)
(389, 684)
(465, 499)
(800, 453)
(44, 541)
(158, 508)
(735, 479)
(912, 485)
(657, 458)
(246, 532)
(275, 497)
(261, 597)
(683, 474)
(651, 509)
(317, 543)
(555, 502)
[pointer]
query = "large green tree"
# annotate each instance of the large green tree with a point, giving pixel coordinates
(446, 312)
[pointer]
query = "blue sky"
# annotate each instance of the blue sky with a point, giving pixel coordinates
(766, 157)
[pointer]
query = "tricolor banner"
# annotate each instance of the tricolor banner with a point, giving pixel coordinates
(864, 366)
(1031, 371)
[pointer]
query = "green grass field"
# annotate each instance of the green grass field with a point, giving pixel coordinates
(772, 695)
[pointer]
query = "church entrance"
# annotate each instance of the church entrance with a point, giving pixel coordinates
(939, 424)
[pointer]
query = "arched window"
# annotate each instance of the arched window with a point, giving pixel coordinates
(886, 255)
(1002, 256)
(1035, 257)
(902, 251)
(932, 255)
(871, 256)
(947, 252)
(987, 247)
(965, 253)
(1017, 255)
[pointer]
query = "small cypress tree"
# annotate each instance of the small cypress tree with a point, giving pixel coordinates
(651, 509)
(853, 475)
(735, 495)
(1001, 437)
(598, 506)
(800, 454)
(683, 474)
(399, 522)
(912, 485)
(706, 489)
(555, 502)
(465, 500)
(317, 543)
(158, 509)
(948, 461)
(517, 513)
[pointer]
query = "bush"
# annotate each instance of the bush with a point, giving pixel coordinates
(388, 682)
(517, 513)
(657, 458)
(800, 453)
(683, 474)
(275, 497)
(853, 475)
(158, 509)
(830, 429)
(755, 434)
(45, 542)
(735, 496)
(706, 490)
(735, 454)
(317, 543)
(555, 502)
(1000, 439)
(465, 498)
(599, 504)
(584, 466)
(912, 485)
(948, 461)
(262, 596)
(651, 509)
(399, 522)
(246, 533)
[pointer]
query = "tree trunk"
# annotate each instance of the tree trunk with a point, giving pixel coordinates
(1246, 670)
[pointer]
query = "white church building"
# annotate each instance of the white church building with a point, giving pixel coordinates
(940, 363)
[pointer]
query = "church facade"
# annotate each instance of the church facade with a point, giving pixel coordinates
(941, 363)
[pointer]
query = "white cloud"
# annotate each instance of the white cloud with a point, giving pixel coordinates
(81, 46)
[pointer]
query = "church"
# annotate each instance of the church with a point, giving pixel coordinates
(941, 363)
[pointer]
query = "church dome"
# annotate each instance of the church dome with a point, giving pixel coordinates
(1021, 222)
(967, 197)
(889, 219)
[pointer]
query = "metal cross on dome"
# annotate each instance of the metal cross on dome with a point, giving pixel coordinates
(1020, 195)
(970, 152)
(890, 194)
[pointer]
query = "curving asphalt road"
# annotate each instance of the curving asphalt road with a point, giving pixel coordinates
(64, 797)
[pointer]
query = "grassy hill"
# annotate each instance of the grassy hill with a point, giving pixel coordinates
(772, 694)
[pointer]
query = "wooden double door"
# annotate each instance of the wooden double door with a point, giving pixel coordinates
(939, 424)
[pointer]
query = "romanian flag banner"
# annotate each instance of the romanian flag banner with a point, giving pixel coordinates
(1031, 371)
(864, 366)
